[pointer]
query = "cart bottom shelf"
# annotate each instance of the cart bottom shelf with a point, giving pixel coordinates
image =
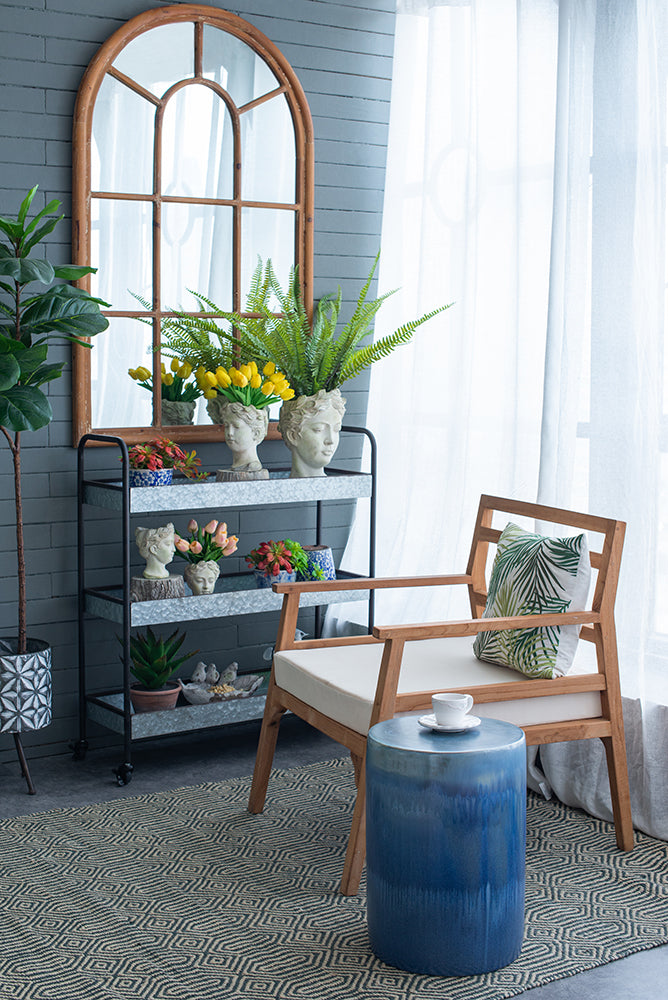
(107, 711)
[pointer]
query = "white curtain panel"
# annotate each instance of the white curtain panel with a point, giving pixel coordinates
(525, 184)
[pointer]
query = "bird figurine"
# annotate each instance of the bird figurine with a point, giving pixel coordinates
(212, 675)
(199, 673)
(229, 674)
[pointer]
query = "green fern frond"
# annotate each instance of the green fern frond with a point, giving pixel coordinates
(366, 356)
(311, 355)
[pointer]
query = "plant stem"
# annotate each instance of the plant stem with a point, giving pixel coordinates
(15, 447)
(18, 498)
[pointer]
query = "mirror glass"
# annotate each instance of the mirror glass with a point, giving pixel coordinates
(197, 145)
(195, 239)
(121, 248)
(119, 110)
(159, 59)
(231, 63)
(268, 127)
(193, 158)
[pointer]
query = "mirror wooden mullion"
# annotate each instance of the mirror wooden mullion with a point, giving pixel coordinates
(247, 213)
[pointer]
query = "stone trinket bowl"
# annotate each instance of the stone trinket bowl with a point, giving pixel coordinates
(201, 694)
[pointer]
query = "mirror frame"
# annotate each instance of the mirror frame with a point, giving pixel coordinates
(81, 197)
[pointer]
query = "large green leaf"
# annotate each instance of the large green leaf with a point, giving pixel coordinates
(24, 271)
(25, 204)
(65, 311)
(24, 408)
(72, 272)
(47, 373)
(30, 358)
(12, 229)
(9, 371)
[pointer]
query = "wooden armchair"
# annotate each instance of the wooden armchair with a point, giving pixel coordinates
(343, 686)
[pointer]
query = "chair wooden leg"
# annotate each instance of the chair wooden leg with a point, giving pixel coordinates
(352, 869)
(24, 764)
(615, 752)
(357, 765)
(273, 713)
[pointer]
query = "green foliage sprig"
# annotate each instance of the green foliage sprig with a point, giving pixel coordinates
(311, 355)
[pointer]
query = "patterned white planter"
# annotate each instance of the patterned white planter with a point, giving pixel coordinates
(151, 477)
(264, 582)
(319, 557)
(25, 686)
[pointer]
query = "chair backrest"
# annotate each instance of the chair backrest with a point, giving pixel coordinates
(605, 562)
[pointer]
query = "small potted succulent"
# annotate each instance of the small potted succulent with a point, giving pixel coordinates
(203, 550)
(154, 661)
(154, 463)
(281, 562)
(178, 391)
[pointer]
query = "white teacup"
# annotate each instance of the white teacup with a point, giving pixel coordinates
(451, 708)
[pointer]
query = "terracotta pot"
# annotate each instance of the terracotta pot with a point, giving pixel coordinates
(144, 700)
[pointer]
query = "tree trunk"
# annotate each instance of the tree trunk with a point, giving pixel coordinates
(20, 551)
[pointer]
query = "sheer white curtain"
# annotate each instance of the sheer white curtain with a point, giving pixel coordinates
(525, 180)
(467, 220)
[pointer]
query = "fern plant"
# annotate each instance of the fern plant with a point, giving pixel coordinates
(311, 355)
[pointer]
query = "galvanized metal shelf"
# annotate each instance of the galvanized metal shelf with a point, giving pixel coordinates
(235, 594)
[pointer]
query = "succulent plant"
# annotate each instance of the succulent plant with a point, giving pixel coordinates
(154, 659)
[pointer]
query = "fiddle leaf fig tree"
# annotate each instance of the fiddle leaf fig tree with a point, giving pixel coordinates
(30, 323)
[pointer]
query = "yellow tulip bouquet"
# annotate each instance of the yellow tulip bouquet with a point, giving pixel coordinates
(245, 384)
(175, 385)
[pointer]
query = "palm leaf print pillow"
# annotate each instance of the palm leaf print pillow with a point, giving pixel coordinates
(533, 574)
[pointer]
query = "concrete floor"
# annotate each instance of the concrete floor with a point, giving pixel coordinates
(215, 755)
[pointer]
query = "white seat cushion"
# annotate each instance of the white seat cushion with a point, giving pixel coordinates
(340, 681)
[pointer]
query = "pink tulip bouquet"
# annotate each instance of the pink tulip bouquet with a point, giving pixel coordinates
(209, 543)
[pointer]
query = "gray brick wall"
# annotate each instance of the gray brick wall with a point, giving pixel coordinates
(342, 52)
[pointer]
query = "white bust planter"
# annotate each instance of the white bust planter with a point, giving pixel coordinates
(310, 427)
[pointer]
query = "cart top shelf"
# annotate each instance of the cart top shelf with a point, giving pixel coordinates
(188, 495)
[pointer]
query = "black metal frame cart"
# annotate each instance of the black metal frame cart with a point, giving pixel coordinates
(235, 593)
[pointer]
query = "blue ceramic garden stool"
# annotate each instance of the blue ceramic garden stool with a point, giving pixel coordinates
(446, 832)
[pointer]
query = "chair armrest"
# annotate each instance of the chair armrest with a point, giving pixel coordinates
(443, 630)
(369, 583)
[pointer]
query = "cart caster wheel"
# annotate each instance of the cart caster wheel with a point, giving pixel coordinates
(123, 774)
(79, 749)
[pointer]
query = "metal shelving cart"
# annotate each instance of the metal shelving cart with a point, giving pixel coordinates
(235, 593)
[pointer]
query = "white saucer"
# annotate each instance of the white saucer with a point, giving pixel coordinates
(468, 722)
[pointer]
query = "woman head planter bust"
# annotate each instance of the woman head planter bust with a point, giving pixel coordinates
(156, 546)
(201, 576)
(245, 427)
(310, 426)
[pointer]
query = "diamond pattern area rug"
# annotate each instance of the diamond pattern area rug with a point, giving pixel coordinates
(184, 895)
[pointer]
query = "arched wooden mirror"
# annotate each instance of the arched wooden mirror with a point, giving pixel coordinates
(193, 156)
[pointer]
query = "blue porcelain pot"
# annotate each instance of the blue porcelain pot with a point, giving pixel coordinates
(264, 582)
(151, 477)
(319, 557)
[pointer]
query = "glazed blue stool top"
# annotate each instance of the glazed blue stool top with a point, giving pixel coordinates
(446, 832)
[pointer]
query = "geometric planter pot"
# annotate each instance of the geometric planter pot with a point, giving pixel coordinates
(25, 692)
